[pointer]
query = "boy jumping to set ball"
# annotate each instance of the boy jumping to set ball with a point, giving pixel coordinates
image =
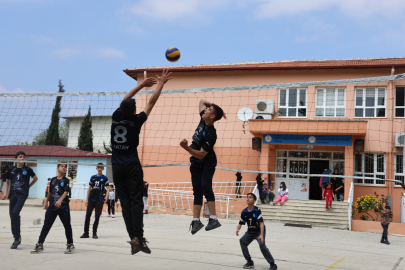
(20, 186)
(127, 169)
(96, 195)
(203, 162)
(58, 206)
(256, 230)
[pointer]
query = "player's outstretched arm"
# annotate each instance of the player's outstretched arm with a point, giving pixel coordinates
(146, 83)
(5, 194)
(161, 82)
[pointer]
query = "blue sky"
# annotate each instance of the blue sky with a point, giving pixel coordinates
(87, 44)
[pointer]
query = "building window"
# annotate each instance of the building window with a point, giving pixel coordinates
(293, 102)
(399, 102)
(369, 165)
(399, 169)
(370, 102)
(330, 102)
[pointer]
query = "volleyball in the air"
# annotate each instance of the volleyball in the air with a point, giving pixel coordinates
(172, 54)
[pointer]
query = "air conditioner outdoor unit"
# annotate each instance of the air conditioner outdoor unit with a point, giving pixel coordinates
(399, 139)
(264, 106)
(262, 117)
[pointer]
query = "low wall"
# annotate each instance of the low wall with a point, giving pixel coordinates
(375, 226)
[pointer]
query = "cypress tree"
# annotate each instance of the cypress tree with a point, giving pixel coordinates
(52, 135)
(85, 141)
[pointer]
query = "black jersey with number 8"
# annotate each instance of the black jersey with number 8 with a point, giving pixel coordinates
(125, 137)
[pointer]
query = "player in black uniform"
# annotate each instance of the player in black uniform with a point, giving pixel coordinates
(96, 196)
(127, 170)
(20, 186)
(203, 162)
(58, 206)
(256, 230)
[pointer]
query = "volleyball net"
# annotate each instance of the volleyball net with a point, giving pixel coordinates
(284, 129)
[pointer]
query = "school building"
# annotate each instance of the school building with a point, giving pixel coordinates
(352, 127)
(47, 157)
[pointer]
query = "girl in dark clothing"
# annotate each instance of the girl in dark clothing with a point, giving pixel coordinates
(260, 186)
(238, 180)
(338, 185)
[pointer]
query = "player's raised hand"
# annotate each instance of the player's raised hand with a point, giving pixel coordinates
(148, 82)
(165, 76)
(184, 143)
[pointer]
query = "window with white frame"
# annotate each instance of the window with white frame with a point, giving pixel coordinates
(330, 102)
(369, 165)
(399, 102)
(399, 169)
(293, 102)
(370, 102)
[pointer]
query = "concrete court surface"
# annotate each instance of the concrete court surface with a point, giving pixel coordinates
(173, 247)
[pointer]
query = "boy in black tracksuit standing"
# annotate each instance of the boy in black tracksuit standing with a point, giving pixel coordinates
(96, 195)
(256, 231)
(203, 162)
(58, 206)
(20, 185)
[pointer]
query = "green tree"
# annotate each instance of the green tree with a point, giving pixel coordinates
(52, 134)
(85, 141)
(63, 135)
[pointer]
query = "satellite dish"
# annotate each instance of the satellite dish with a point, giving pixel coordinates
(245, 114)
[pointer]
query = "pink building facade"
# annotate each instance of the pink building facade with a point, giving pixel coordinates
(331, 118)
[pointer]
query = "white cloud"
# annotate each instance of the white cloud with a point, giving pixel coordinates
(174, 10)
(354, 9)
(65, 53)
(110, 53)
(42, 38)
(15, 90)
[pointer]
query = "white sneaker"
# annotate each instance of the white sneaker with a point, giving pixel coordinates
(112, 215)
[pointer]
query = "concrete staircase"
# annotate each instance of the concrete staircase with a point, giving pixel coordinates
(309, 212)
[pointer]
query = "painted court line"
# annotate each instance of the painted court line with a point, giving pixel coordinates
(336, 263)
(398, 262)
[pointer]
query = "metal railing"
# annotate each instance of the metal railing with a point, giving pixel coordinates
(79, 190)
(183, 200)
(350, 205)
(224, 188)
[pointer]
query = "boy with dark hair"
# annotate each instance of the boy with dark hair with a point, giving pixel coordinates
(58, 206)
(203, 162)
(256, 230)
(96, 195)
(127, 169)
(20, 186)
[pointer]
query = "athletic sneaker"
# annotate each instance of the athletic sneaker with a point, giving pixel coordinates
(134, 250)
(386, 242)
(274, 267)
(212, 224)
(69, 248)
(112, 216)
(146, 212)
(16, 243)
(195, 226)
(85, 235)
(249, 265)
(38, 248)
(140, 243)
(95, 236)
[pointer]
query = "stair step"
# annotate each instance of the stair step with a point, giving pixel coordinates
(328, 225)
(304, 211)
(312, 208)
(306, 217)
(308, 221)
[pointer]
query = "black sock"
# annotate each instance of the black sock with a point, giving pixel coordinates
(272, 264)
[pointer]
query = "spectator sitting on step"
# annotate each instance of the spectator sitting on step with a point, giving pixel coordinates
(282, 194)
(268, 193)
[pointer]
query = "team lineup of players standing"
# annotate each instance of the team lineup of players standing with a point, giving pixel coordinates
(128, 179)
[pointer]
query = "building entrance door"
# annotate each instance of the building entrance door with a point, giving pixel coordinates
(316, 167)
